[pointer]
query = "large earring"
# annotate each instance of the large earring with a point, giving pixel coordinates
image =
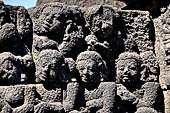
(144, 72)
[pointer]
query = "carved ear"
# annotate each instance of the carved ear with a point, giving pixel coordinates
(63, 65)
(100, 65)
(19, 60)
(143, 72)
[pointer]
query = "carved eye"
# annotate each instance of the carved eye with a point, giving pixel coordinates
(9, 66)
(81, 68)
(133, 68)
(121, 68)
(56, 16)
(66, 38)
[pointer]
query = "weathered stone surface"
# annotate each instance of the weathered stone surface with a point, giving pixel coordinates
(17, 99)
(162, 50)
(87, 58)
(139, 30)
(85, 3)
(20, 17)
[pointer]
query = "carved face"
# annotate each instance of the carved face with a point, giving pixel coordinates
(23, 22)
(10, 71)
(102, 23)
(101, 27)
(2, 16)
(88, 71)
(127, 70)
(49, 67)
(50, 20)
(49, 70)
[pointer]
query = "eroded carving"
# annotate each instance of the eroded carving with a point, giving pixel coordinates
(96, 94)
(49, 67)
(17, 99)
(74, 50)
(13, 70)
(140, 96)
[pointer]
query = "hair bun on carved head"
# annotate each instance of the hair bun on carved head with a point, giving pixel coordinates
(89, 55)
(129, 55)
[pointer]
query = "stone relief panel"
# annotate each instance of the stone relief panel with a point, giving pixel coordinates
(60, 58)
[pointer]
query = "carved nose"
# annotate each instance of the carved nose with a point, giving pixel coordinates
(125, 70)
(48, 18)
(85, 71)
(104, 26)
(45, 69)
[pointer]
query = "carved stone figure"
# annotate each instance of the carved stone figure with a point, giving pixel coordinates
(90, 66)
(152, 68)
(133, 94)
(48, 28)
(50, 20)
(100, 20)
(13, 70)
(11, 31)
(50, 66)
(64, 31)
(50, 72)
(10, 40)
(25, 26)
(97, 96)
(19, 16)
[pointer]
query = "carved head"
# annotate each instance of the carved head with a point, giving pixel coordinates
(24, 23)
(50, 20)
(91, 67)
(100, 20)
(49, 66)
(3, 14)
(128, 67)
(152, 66)
(10, 69)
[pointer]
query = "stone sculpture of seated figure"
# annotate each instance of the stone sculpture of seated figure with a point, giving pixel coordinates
(97, 96)
(49, 72)
(135, 95)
